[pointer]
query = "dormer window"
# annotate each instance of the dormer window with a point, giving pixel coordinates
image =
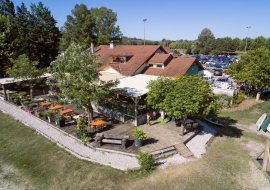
(121, 58)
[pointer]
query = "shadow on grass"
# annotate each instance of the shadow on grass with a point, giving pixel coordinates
(228, 129)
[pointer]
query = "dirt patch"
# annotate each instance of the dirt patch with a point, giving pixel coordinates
(253, 147)
(11, 178)
(246, 104)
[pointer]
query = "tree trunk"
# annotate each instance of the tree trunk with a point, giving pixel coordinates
(32, 92)
(258, 96)
(90, 114)
(182, 128)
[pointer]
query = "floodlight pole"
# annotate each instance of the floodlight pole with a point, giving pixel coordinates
(144, 29)
(246, 40)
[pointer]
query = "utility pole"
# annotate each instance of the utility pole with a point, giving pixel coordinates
(144, 29)
(246, 40)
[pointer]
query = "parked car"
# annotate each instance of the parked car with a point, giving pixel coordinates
(266, 93)
(220, 80)
(211, 79)
(218, 72)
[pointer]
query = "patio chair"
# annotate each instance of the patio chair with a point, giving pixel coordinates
(188, 127)
(195, 125)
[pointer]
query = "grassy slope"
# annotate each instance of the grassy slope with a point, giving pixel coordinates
(247, 116)
(49, 167)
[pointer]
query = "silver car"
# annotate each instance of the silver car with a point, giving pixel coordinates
(221, 80)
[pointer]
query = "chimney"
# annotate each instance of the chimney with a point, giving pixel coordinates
(112, 45)
(92, 47)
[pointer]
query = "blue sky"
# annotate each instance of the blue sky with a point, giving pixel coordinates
(176, 19)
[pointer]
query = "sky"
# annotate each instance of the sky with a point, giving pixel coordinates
(175, 19)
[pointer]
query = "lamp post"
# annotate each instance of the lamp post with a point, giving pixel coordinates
(246, 39)
(144, 29)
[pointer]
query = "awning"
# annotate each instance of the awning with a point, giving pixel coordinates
(136, 85)
(9, 80)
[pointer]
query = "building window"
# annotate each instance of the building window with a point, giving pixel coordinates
(151, 65)
(159, 66)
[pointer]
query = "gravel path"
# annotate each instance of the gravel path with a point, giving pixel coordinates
(115, 160)
(196, 145)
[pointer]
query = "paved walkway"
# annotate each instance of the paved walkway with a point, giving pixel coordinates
(115, 160)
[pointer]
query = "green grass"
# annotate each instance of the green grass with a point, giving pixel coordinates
(48, 166)
(159, 121)
(248, 116)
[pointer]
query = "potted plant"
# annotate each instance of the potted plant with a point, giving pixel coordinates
(45, 116)
(37, 114)
(49, 114)
(139, 136)
(22, 95)
(15, 99)
(80, 128)
(60, 120)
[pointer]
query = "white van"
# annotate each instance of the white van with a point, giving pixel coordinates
(210, 79)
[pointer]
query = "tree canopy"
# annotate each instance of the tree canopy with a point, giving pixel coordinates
(26, 70)
(253, 69)
(36, 29)
(78, 79)
(90, 24)
(204, 36)
(186, 96)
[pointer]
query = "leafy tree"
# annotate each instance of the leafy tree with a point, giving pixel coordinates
(260, 42)
(204, 36)
(78, 79)
(25, 69)
(253, 69)
(188, 51)
(105, 23)
(163, 42)
(79, 25)
(157, 91)
(190, 97)
(11, 44)
(103, 40)
(237, 43)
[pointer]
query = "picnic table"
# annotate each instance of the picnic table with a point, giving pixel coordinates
(66, 111)
(46, 103)
(55, 107)
(96, 123)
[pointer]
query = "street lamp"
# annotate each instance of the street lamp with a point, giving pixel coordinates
(246, 40)
(144, 29)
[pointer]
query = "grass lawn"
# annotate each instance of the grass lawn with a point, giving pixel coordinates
(248, 116)
(159, 121)
(225, 165)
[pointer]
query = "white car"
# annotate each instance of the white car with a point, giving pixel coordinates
(211, 79)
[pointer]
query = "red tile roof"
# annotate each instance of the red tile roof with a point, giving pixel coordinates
(176, 67)
(160, 58)
(168, 50)
(141, 54)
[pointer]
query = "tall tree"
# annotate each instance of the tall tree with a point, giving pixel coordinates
(253, 69)
(260, 42)
(11, 44)
(105, 23)
(82, 84)
(204, 36)
(7, 8)
(25, 69)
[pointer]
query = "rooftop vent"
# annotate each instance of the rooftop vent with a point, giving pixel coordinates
(112, 44)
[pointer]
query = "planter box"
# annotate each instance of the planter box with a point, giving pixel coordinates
(78, 136)
(60, 123)
(45, 117)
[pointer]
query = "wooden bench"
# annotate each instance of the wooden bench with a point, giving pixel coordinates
(113, 139)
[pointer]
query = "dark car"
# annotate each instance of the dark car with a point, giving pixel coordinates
(218, 66)
(218, 72)
(221, 80)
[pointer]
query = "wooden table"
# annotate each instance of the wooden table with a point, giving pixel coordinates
(66, 111)
(96, 123)
(55, 107)
(46, 104)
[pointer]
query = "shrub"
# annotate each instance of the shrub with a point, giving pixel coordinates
(48, 113)
(80, 128)
(145, 160)
(84, 138)
(239, 97)
(139, 134)
(59, 116)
